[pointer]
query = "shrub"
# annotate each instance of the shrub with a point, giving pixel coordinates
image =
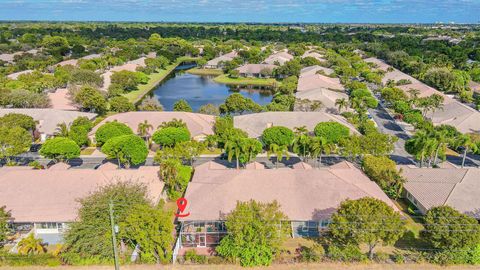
(121, 104)
(332, 131)
(311, 254)
(110, 130)
(127, 149)
(381, 257)
(182, 106)
(170, 136)
(193, 257)
(60, 148)
(281, 136)
(413, 117)
(347, 253)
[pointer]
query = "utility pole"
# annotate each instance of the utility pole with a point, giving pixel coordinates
(114, 237)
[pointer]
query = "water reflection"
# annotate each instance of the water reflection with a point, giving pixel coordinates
(200, 90)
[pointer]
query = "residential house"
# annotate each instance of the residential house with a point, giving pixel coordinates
(452, 112)
(308, 196)
(313, 53)
(49, 119)
(219, 61)
(27, 194)
(316, 84)
(256, 70)
(199, 125)
(456, 187)
(278, 58)
(254, 124)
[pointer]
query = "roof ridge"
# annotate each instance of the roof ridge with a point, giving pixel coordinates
(454, 186)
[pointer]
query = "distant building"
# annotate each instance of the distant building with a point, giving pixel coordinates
(256, 70)
(308, 196)
(27, 194)
(452, 112)
(49, 119)
(278, 58)
(218, 61)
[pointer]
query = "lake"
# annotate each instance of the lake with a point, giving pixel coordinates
(200, 90)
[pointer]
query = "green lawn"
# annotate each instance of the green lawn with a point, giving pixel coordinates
(88, 151)
(246, 81)
(155, 79)
(205, 71)
(216, 151)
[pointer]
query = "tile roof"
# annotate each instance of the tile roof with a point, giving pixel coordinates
(28, 193)
(255, 123)
(198, 124)
(255, 68)
(222, 58)
(48, 119)
(304, 194)
(455, 113)
(456, 187)
(280, 57)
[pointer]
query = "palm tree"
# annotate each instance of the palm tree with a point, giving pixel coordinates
(341, 103)
(143, 129)
(31, 245)
(468, 144)
(301, 141)
(233, 148)
(442, 142)
(279, 151)
(62, 130)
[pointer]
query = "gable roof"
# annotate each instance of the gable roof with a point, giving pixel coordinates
(48, 119)
(303, 194)
(255, 68)
(456, 187)
(281, 57)
(310, 79)
(454, 113)
(28, 193)
(255, 123)
(198, 124)
(222, 58)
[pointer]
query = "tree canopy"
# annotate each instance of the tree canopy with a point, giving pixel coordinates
(169, 136)
(332, 131)
(110, 130)
(60, 148)
(127, 149)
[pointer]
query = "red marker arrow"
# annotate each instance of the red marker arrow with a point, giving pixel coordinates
(182, 204)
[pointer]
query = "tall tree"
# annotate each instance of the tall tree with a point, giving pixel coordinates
(366, 221)
(143, 129)
(255, 233)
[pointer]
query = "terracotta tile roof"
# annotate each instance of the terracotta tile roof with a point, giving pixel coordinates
(310, 79)
(254, 124)
(198, 124)
(28, 193)
(304, 194)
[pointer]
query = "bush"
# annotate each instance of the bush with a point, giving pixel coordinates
(381, 257)
(110, 130)
(311, 254)
(170, 136)
(191, 256)
(121, 104)
(11, 259)
(60, 148)
(181, 182)
(347, 253)
(401, 107)
(127, 149)
(215, 260)
(413, 117)
(332, 131)
(281, 136)
(182, 106)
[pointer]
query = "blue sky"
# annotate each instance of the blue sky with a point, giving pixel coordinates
(328, 11)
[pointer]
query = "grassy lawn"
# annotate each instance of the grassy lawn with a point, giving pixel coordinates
(205, 71)
(246, 81)
(87, 151)
(155, 79)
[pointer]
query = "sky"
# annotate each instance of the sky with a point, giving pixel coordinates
(264, 11)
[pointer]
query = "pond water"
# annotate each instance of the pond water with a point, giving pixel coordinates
(200, 90)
